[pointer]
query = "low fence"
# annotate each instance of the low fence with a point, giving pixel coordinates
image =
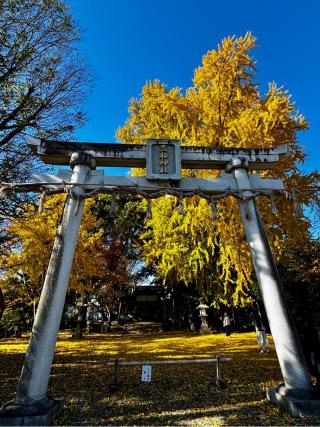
(147, 365)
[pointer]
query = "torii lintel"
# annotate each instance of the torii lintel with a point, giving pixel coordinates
(135, 155)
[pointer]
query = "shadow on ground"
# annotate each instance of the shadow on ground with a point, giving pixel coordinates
(177, 395)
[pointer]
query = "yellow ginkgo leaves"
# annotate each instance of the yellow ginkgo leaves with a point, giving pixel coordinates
(223, 108)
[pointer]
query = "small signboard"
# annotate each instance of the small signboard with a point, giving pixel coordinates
(146, 373)
(163, 159)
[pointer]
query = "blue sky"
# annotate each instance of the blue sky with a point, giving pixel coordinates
(128, 42)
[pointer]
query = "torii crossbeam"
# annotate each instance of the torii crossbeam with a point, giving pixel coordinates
(135, 155)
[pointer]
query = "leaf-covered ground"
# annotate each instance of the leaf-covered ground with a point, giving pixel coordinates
(177, 395)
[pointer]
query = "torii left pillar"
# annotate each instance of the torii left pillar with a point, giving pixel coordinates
(31, 405)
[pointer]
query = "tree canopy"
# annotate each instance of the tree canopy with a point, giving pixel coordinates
(223, 108)
(24, 262)
(43, 81)
(120, 220)
(106, 262)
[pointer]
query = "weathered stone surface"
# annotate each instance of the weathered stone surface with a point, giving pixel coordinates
(39, 413)
(290, 355)
(134, 155)
(33, 382)
(298, 403)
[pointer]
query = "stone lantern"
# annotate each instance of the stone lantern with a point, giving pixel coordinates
(78, 332)
(204, 328)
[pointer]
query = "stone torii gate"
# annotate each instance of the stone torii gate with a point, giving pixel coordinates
(163, 160)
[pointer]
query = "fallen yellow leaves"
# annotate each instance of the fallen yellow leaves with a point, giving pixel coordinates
(177, 395)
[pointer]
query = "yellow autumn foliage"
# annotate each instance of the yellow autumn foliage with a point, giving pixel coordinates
(223, 108)
(33, 236)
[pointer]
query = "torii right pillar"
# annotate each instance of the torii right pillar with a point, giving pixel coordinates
(297, 395)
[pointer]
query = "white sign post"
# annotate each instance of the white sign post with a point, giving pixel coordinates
(146, 372)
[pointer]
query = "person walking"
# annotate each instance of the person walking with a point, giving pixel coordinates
(262, 339)
(226, 322)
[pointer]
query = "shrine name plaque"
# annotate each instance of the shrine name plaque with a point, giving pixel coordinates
(163, 159)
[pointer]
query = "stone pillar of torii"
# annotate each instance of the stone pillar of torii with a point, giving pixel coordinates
(163, 160)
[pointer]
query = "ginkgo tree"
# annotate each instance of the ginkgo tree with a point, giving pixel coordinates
(25, 261)
(223, 108)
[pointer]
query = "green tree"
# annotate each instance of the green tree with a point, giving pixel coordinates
(300, 275)
(121, 220)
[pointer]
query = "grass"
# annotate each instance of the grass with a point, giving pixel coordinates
(177, 395)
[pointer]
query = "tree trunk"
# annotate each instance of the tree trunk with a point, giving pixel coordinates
(109, 319)
(2, 305)
(119, 310)
(78, 332)
(34, 307)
